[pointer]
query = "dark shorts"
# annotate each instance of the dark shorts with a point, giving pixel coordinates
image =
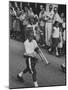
(55, 42)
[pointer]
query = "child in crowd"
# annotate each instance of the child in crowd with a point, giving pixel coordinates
(55, 38)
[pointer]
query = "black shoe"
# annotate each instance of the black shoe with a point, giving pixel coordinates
(20, 78)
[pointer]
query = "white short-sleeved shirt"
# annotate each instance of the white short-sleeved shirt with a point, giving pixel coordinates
(56, 32)
(30, 46)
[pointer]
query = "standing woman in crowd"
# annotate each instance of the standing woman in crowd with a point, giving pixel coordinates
(11, 21)
(26, 21)
(18, 22)
(12, 17)
(48, 25)
(56, 16)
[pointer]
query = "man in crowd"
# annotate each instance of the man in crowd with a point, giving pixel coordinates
(48, 25)
(56, 16)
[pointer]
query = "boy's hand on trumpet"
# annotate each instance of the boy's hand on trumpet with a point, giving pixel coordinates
(40, 53)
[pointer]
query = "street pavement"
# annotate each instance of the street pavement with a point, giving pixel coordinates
(47, 75)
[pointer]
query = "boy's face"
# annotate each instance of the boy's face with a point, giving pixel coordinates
(31, 37)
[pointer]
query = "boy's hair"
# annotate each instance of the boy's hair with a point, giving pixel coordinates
(29, 33)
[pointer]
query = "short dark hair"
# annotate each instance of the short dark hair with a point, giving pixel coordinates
(29, 32)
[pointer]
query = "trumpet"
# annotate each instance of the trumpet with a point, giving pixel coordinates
(42, 56)
(39, 52)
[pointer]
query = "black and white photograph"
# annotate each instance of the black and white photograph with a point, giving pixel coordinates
(37, 44)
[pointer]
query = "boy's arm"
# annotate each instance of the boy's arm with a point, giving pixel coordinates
(37, 50)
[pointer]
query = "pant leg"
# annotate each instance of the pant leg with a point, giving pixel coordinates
(31, 67)
(33, 63)
(27, 69)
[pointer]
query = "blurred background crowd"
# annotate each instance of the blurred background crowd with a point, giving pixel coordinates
(47, 21)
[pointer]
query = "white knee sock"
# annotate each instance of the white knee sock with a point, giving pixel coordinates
(20, 74)
(35, 84)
